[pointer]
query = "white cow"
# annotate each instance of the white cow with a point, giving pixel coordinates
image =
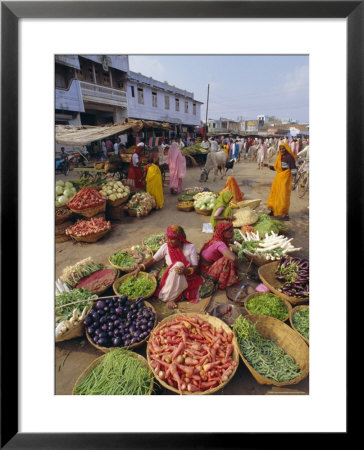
(216, 161)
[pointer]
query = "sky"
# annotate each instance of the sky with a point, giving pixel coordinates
(240, 85)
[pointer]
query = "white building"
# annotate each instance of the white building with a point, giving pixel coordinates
(90, 89)
(150, 99)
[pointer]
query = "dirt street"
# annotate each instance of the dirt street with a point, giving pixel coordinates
(72, 357)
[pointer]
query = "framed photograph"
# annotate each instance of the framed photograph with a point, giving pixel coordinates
(32, 33)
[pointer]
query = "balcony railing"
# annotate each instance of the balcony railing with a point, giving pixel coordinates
(101, 94)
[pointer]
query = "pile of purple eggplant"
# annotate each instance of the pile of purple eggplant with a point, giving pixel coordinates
(293, 272)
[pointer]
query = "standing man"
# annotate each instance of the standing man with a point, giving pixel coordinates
(213, 145)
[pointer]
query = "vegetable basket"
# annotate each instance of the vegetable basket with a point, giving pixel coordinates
(203, 212)
(90, 212)
(252, 204)
(91, 237)
(293, 310)
(132, 212)
(117, 202)
(137, 344)
(127, 269)
(258, 294)
(285, 338)
(119, 282)
(215, 322)
(77, 330)
(258, 260)
(267, 274)
(185, 208)
(62, 214)
(98, 360)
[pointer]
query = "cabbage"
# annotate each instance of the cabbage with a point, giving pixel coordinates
(59, 189)
(68, 185)
(57, 203)
(119, 190)
(112, 197)
(60, 183)
(118, 195)
(63, 199)
(67, 193)
(73, 189)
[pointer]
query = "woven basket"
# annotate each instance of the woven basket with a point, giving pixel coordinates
(62, 238)
(76, 331)
(91, 238)
(138, 344)
(132, 212)
(252, 204)
(185, 208)
(102, 289)
(90, 212)
(98, 360)
(267, 274)
(288, 340)
(215, 322)
(293, 310)
(203, 212)
(120, 280)
(258, 260)
(153, 251)
(126, 269)
(117, 202)
(65, 216)
(257, 294)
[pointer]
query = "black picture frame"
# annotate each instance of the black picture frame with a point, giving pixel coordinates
(11, 13)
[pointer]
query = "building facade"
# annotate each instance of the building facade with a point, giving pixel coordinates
(150, 99)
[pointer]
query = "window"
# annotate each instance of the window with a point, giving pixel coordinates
(186, 107)
(154, 99)
(214, 125)
(166, 101)
(132, 91)
(140, 96)
(194, 109)
(177, 104)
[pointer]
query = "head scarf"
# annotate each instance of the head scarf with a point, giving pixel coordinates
(175, 232)
(232, 185)
(277, 164)
(218, 235)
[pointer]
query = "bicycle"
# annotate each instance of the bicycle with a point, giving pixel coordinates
(302, 182)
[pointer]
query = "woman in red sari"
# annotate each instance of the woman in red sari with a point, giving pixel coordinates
(135, 172)
(180, 276)
(217, 261)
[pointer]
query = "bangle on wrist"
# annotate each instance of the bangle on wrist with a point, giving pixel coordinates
(190, 270)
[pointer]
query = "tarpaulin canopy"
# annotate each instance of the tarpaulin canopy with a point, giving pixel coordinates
(85, 134)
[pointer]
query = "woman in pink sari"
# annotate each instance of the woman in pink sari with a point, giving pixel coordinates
(177, 168)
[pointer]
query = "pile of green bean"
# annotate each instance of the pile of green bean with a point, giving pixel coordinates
(119, 373)
(300, 320)
(263, 354)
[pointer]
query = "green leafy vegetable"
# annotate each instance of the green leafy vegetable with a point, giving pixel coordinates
(269, 305)
(154, 241)
(266, 225)
(122, 259)
(75, 295)
(139, 286)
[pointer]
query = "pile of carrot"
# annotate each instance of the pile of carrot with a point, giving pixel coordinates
(191, 355)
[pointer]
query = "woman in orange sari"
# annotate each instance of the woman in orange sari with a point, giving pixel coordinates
(232, 185)
(280, 193)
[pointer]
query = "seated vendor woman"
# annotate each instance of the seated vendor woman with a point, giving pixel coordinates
(222, 210)
(180, 277)
(217, 261)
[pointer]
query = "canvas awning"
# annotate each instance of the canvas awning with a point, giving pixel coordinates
(84, 134)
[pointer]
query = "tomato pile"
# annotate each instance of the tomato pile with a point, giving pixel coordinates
(87, 227)
(191, 355)
(86, 198)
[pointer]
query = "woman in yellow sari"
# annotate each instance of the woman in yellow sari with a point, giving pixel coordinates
(280, 193)
(154, 183)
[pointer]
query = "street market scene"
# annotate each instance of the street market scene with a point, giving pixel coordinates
(181, 236)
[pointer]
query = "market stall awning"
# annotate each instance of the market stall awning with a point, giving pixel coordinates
(84, 134)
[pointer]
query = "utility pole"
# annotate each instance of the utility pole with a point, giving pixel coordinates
(207, 106)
